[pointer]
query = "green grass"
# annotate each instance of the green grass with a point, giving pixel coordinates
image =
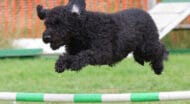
(37, 75)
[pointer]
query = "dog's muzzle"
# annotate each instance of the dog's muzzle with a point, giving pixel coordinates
(46, 38)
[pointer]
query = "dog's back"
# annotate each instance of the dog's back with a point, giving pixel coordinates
(137, 20)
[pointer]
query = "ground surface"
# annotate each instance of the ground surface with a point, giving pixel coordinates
(37, 75)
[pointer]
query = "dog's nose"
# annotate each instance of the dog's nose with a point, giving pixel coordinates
(46, 38)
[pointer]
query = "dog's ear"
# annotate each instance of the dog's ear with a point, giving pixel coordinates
(76, 6)
(41, 12)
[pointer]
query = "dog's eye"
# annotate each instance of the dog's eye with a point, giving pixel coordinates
(52, 24)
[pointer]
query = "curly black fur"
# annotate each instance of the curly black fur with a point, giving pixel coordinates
(101, 39)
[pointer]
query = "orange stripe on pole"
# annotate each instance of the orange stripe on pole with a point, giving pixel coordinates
(50, 3)
(6, 14)
(13, 16)
(65, 2)
(94, 5)
(145, 4)
(29, 18)
(138, 3)
(22, 16)
(1, 15)
(116, 6)
(124, 4)
(44, 3)
(88, 4)
(58, 2)
(101, 5)
(130, 3)
(108, 5)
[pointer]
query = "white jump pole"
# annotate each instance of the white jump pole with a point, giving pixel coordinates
(90, 98)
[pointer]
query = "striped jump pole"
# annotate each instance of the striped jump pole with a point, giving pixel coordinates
(90, 98)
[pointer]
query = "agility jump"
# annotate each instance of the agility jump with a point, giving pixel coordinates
(95, 98)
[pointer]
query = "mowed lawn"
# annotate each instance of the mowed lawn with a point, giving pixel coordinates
(38, 75)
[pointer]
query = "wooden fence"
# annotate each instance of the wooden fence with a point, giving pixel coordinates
(18, 17)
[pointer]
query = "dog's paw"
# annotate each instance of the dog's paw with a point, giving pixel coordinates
(62, 64)
(60, 67)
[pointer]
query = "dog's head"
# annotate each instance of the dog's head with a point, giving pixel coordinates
(61, 22)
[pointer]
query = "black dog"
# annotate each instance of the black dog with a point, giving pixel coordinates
(97, 38)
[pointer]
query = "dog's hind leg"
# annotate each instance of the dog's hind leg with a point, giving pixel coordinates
(153, 52)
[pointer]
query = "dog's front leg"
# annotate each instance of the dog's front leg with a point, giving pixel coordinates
(63, 63)
(86, 57)
(92, 57)
(73, 62)
(82, 59)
